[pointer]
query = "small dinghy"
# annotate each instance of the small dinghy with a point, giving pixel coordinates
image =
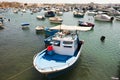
(85, 24)
(25, 26)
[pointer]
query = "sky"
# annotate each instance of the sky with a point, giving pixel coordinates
(64, 1)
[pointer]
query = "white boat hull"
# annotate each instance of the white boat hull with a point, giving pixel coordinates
(103, 17)
(53, 66)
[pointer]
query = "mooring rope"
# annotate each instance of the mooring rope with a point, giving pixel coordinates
(19, 73)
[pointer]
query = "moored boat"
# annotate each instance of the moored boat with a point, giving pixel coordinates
(104, 17)
(25, 26)
(63, 53)
(1, 25)
(78, 14)
(56, 20)
(39, 28)
(49, 14)
(117, 18)
(59, 13)
(85, 24)
(91, 13)
(40, 17)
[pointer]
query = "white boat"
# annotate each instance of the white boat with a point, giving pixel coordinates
(63, 53)
(59, 13)
(25, 26)
(117, 18)
(15, 11)
(1, 25)
(103, 17)
(78, 14)
(24, 10)
(91, 13)
(65, 27)
(39, 28)
(40, 17)
(56, 20)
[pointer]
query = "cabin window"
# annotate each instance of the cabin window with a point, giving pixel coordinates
(55, 43)
(67, 44)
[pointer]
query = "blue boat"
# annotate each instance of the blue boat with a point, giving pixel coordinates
(48, 40)
(61, 55)
(50, 32)
(25, 24)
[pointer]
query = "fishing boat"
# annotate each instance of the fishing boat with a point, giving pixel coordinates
(78, 14)
(85, 24)
(103, 17)
(52, 32)
(40, 17)
(49, 14)
(59, 13)
(39, 28)
(57, 20)
(117, 18)
(62, 54)
(91, 13)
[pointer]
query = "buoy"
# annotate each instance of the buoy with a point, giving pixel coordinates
(8, 19)
(102, 38)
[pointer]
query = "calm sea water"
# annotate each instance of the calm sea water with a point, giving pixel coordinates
(98, 61)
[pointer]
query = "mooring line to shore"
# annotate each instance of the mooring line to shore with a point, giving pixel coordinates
(19, 73)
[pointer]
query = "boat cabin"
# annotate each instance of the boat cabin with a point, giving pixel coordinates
(65, 44)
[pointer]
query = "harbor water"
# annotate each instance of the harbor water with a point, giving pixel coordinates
(98, 60)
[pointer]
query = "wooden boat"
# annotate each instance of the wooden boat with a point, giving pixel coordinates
(56, 20)
(61, 55)
(40, 17)
(39, 28)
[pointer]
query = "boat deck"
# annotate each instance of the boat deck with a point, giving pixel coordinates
(52, 60)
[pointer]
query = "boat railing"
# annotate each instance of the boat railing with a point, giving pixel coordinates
(53, 68)
(39, 54)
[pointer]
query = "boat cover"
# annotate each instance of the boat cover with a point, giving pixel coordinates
(65, 27)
